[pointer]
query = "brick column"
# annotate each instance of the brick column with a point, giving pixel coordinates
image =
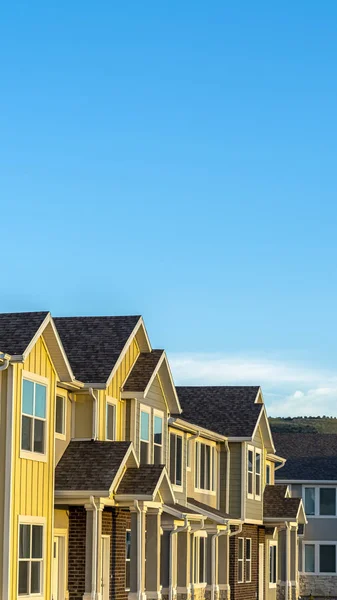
(153, 543)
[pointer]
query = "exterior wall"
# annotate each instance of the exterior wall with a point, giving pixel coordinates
(3, 417)
(207, 497)
(272, 471)
(254, 508)
(32, 490)
(115, 522)
(245, 591)
(180, 492)
(156, 400)
(319, 586)
(83, 415)
(235, 479)
(76, 552)
(270, 592)
(222, 457)
(61, 444)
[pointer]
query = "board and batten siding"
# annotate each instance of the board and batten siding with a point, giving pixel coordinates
(33, 481)
(114, 391)
(235, 479)
(155, 400)
(254, 508)
(3, 419)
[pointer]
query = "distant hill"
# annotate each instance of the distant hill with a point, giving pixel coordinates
(303, 424)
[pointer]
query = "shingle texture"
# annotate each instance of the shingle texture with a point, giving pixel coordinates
(310, 456)
(226, 410)
(276, 505)
(89, 465)
(142, 480)
(209, 509)
(142, 371)
(93, 344)
(18, 329)
(183, 509)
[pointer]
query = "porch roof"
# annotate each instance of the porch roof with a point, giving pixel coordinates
(142, 371)
(277, 504)
(214, 513)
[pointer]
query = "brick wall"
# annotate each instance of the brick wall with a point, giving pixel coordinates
(114, 523)
(76, 552)
(245, 591)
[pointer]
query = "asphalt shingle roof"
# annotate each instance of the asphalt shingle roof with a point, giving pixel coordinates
(141, 480)
(310, 456)
(89, 465)
(276, 505)
(18, 329)
(227, 410)
(93, 344)
(142, 371)
(210, 509)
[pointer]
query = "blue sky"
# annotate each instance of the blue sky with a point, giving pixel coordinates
(178, 160)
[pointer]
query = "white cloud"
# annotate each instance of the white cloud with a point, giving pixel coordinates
(289, 389)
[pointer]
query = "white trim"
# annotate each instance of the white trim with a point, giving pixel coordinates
(213, 466)
(317, 489)
(248, 560)
(7, 545)
(317, 544)
(126, 347)
(111, 401)
(39, 380)
(176, 487)
(309, 482)
(241, 560)
(258, 451)
(64, 395)
(160, 414)
(42, 521)
(63, 533)
(250, 495)
(272, 584)
(144, 408)
(264, 412)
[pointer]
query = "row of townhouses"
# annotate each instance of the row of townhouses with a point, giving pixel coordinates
(117, 485)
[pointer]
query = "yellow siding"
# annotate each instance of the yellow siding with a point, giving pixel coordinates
(33, 481)
(114, 391)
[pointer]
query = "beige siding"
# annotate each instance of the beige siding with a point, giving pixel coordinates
(235, 479)
(206, 497)
(180, 492)
(83, 411)
(254, 508)
(155, 399)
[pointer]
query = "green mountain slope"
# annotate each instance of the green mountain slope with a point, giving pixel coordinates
(303, 424)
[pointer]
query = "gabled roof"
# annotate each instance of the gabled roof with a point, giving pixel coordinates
(91, 466)
(142, 371)
(207, 510)
(278, 506)
(232, 411)
(310, 456)
(141, 480)
(19, 333)
(18, 329)
(94, 344)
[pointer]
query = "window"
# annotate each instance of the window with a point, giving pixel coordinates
(60, 415)
(34, 406)
(127, 558)
(272, 565)
(254, 470)
(248, 560)
(157, 440)
(30, 559)
(320, 501)
(176, 447)
(240, 559)
(309, 500)
(309, 558)
(268, 474)
(319, 558)
(144, 437)
(204, 467)
(110, 421)
(199, 559)
(327, 501)
(327, 558)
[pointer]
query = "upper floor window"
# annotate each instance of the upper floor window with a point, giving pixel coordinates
(144, 437)
(60, 425)
(176, 458)
(30, 559)
(254, 470)
(33, 419)
(319, 558)
(157, 439)
(320, 501)
(204, 467)
(110, 421)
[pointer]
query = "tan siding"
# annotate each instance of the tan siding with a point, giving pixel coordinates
(254, 508)
(156, 401)
(235, 479)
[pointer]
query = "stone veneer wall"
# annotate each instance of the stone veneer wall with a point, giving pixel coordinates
(320, 586)
(76, 552)
(245, 591)
(115, 522)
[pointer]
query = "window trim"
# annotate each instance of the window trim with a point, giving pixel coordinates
(111, 401)
(258, 451)
(248, 560)
(176, 486)
(61, 436)
(317, 545)
(241, 560)
(250, 495)
(145, 409)
(317, 489)
(160, 414)
(268, 470)
(200, 535)
(255, 451)
(272, 584)
(27, 454)
(212, 467)
(29, 520)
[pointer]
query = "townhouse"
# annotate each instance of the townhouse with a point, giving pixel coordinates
(118, 485)
(311, 473)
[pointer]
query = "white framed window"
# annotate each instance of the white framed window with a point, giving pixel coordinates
(158, 421)
(176, 459)
(254, 472)
(204, 467)
(111, 419)
(200, 559)
(60, 416)
(127, 559)
(320, 501)
(320, 558)
(241, 556)
(248, 560)
(272, 564)
(144, 450)
(268, 474)
(31, 556)
(33, 415)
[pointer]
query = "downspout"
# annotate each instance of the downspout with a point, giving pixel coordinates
(233, 533)
(95, 411)
(227, 475)
(281, 465)
(190, 439)
(214, 557)
(174, 531)
(94, 550)
(287, 574)
(139, 549)
(5, 358)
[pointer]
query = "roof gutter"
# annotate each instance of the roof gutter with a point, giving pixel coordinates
(283, 462)
(5, 358)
